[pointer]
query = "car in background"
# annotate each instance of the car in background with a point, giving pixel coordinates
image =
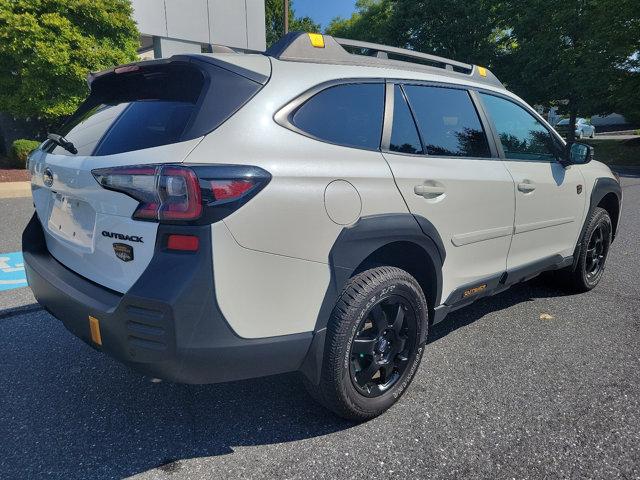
(584, 128)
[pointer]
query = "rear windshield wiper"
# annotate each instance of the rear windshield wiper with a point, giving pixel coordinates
(63, 142)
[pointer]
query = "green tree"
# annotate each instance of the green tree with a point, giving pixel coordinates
(274, 19)
(466, 30)
(628, 93)
(574, 54)
(47, 48)
(577, 55)
(371, 22)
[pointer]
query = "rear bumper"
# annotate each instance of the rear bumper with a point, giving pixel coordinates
(168, 325)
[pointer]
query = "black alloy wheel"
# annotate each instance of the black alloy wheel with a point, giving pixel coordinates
(597, 251)
(373, 345)
(589, 264)
(381, 346)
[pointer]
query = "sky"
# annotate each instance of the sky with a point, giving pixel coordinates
(323, 11)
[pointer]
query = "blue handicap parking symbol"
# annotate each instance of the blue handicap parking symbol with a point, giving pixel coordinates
(12, 273)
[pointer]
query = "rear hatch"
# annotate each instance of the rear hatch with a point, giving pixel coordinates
(149, 113)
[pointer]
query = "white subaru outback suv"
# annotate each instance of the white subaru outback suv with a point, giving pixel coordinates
(214, 217)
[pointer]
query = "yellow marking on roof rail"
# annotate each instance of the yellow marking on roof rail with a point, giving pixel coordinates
(482, 71)
(317, 40)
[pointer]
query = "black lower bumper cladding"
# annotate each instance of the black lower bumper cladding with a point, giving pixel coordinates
(168, 325)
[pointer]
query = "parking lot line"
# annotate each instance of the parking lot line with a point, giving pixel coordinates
(12, 274)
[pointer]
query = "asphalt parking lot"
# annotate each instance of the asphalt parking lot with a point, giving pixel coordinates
(501, 393)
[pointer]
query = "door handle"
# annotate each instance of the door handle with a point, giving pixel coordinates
(526, 186)
(429, 191)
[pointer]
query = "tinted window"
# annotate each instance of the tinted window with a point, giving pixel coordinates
(448, 121)
(348, 115)
(154, 105)
(404, 135)
(146, 124)
(522, 136)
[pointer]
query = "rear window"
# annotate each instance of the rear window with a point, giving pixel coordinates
(146, 124)
(404, 135)
(448, 122)
(155, 105)
(349, 115)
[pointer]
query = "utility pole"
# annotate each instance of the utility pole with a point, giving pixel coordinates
(286, 16)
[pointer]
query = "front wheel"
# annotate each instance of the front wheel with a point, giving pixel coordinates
(372, 349)
(595, 243)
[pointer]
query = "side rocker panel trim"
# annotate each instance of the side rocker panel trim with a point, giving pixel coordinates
(498, 283)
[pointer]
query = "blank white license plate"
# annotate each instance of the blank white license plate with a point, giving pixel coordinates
(72, 219)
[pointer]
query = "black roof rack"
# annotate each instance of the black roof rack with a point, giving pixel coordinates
(316, 48)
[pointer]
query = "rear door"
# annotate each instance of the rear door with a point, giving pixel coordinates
(449, 173)
(549, 197)
(151, 113)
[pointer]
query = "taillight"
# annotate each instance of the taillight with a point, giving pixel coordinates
(180, 194)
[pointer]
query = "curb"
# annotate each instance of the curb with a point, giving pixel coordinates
(15, 189)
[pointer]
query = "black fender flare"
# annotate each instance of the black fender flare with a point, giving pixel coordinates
(352, 247)
(602, 187)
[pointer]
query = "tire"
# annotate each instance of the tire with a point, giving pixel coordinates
(589, 267)
(370, 358)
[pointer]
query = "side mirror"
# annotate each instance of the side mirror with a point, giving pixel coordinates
(580, 153)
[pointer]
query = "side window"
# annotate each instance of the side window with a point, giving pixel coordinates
(522, 136)
(404, 135)
(448, 122)
(349, 115)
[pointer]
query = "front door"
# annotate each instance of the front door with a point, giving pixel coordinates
(448, 174)
(550, 198)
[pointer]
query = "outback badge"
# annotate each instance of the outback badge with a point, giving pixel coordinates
(123, 251)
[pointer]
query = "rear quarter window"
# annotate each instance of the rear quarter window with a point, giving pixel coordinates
(349, 115)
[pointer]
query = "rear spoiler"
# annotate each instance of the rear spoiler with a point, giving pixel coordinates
(176, 59)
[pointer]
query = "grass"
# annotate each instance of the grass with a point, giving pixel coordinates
(617, 152)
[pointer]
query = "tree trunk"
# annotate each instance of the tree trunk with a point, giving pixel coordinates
(571, 135)
(286, 16)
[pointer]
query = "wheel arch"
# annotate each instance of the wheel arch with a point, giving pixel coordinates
(607, 194)
(401, 240)
(412, 258)
(611, 203)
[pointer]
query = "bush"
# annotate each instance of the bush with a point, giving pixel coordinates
(20, 150)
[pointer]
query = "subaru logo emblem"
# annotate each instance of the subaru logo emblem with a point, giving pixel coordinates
(47, 177)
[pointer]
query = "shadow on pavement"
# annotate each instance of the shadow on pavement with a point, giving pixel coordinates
(69, 412)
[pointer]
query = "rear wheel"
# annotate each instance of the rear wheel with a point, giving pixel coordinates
(372, 349)
(589, 266)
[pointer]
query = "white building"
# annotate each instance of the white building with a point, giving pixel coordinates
(191, 26)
